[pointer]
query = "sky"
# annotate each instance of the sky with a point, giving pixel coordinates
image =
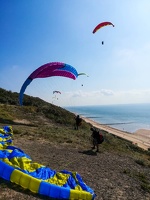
(35, 32)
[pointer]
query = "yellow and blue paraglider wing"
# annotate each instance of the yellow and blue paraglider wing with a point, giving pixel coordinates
(18, 167)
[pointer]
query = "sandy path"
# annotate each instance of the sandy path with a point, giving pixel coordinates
(140, 138)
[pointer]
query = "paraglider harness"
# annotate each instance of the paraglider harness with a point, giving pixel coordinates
(101, 137)
(97, 136)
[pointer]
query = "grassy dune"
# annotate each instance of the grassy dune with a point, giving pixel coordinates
(51, 129)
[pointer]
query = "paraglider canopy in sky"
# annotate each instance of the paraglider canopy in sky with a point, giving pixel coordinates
(56, 91)
(101, 25)
(83, 74)
(49, 70)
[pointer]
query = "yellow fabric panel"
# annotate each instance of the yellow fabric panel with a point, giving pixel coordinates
(80, 195)
(22, 162)
(16, 177)
(6, 160)
(2, 131)
(5, 139)
(78, 187)
(25, 164)
(59, 179)
(1, 147)
(11, 130)
(34, 166)
(25, 181)
(8, 150)
(34, 185)
(6, 144)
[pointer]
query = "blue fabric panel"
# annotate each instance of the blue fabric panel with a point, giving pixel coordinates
(70, 69)
(44, 188)
(5, 171)
(71, 182)
(54, 191)
(2, 167)
(23, 88)
(17, 153)
(2, 143)
(13, 148)
(4, 154)
(83, 185)
(4, 135)
(7, 129)
(43, 173)
(6, 141)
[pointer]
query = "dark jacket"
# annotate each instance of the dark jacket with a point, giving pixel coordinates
(98, 136)
(78, 121)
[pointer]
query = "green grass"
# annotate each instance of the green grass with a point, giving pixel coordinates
(57, 125)
(138, 176)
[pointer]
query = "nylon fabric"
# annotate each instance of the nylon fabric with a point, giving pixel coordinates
(18, 167)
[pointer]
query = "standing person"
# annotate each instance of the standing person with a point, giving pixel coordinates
(78, 122)
(97, 138)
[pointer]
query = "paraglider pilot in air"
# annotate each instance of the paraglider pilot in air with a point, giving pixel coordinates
(78, 122)
(97, 138)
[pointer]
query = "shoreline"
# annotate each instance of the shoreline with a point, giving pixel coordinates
(141, 137)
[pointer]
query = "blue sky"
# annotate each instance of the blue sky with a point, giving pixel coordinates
(35, 32)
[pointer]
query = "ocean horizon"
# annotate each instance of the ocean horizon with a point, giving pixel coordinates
(125, 117)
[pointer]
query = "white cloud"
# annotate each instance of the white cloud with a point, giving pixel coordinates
(105, 96)
(82, 94)
(107, 92)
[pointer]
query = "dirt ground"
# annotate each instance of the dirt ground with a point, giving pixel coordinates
(111, 176)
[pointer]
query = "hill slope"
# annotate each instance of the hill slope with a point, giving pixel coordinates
(46, 133)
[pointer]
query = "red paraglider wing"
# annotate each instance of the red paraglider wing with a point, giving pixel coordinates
(102, 25)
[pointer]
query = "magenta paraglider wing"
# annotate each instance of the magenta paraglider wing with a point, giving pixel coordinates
(48, 70)
(63, 73)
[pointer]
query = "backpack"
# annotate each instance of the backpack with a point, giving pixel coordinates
(101, 137)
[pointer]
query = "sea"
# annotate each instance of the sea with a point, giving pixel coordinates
(125, 117)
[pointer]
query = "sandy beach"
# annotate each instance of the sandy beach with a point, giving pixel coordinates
(141, 137)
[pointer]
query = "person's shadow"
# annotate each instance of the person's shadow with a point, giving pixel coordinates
(89, 152)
